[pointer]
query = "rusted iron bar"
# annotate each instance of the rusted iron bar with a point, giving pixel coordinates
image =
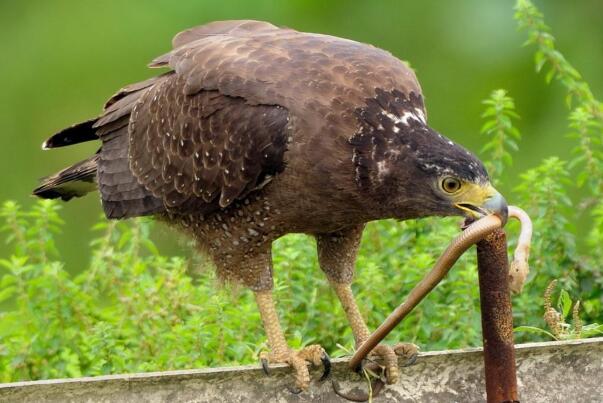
(497, 318)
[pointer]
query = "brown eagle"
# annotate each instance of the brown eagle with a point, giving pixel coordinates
(257, 131)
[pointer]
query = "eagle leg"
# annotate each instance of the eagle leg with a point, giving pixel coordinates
(387, 355)
(337, 256)
(280, 351)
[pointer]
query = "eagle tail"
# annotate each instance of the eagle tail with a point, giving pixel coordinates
(74, 181)
(75, 134)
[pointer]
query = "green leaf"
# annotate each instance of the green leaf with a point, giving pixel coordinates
(7, 280)
(549, 76)
(150, 246)
(7, 293)
(489, 125)
(564, 303)
(591, 330)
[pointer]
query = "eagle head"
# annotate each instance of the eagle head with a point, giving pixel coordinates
(410, 170)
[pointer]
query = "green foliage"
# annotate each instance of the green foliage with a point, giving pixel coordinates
(586, 117)
(32, 238)
(500, 110)
(556, 320)
(131, 310)
(547, 190)
(531, 19)
(134, 309)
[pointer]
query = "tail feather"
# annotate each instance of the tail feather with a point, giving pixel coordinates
(108, 171)
(74, 181)
(72, 135)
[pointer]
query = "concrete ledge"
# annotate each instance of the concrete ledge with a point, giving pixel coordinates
(569, 371)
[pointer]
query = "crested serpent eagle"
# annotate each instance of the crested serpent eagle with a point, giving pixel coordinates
(256, 131)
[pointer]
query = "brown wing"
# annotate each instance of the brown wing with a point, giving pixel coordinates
(269, 65)
(227, 27)
(203, 151)
(213, 129)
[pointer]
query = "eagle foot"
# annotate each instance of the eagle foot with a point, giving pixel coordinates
(298, 361)
(385, 357)
(408, 351)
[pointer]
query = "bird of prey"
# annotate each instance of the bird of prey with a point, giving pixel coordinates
(256, 131)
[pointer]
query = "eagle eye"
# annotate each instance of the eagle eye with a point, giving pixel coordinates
(450, 184)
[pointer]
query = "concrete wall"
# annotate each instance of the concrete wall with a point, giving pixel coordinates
(548, 372)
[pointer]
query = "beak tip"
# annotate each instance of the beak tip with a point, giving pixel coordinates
(498, 205)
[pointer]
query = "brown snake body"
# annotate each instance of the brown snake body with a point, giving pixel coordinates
(472, 234)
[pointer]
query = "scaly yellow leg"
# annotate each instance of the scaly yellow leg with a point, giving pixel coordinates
(361, 333)
(280, 351)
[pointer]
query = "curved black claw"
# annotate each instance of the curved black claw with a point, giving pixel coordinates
(265, 366)
(326, 364)
(359, 368)
(411, 360)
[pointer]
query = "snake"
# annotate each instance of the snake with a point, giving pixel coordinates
(472, 234)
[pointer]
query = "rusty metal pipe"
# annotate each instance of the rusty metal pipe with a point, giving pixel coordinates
(497, 318)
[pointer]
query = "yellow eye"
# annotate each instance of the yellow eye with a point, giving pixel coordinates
(451, 185)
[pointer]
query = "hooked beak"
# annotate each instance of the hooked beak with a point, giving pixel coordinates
(487, 201)
(497, 205)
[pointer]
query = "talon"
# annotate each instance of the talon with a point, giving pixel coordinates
(360, 367)
(406, 349)
(265, 368)
(411, 360)
(326, 363)
(409, 351)
(298, 362)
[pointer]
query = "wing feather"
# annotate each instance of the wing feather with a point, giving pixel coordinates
(203, 151)
(215, 127)
(266, 64)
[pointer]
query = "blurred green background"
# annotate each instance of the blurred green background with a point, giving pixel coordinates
(61, 59)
